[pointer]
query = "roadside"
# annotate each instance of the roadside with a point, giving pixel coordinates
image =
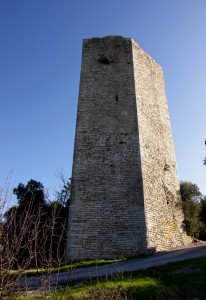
(76, 275)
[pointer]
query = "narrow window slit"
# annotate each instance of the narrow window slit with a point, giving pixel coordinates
(117, 98)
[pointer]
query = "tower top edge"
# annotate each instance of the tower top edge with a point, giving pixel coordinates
(117, 39)
(112, 39)
(108, 37)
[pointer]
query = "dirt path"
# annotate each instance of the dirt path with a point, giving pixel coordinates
(158, 259)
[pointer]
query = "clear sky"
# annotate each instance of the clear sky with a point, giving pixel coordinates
(40, 59)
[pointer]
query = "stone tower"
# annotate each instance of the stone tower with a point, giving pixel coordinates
(125, 188)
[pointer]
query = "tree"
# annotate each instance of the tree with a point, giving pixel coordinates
(24, 225)
(191, 196)
(189, 191)
(63, 196)
(203, 218)
(35, 230)
(193, 224)
(30, 195)
(203, 209)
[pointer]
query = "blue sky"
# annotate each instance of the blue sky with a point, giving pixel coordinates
(40, 59)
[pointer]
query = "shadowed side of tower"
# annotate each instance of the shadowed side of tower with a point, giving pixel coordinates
(124, 197)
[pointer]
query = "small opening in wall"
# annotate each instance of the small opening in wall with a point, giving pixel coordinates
(117, 98)
(104, 60)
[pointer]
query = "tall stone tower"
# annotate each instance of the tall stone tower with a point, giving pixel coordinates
(125, 188)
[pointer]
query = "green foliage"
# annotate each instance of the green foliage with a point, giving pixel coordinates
(203, 218)
(189, 191)
(194, 208)
(203, 210)
(192, 222)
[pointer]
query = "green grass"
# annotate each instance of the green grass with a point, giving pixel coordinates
(78, 264)
(174, 281)
(182, 280)
(71, 266)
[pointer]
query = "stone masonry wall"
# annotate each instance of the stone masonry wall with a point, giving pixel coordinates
(164, 215)
(124, 197)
